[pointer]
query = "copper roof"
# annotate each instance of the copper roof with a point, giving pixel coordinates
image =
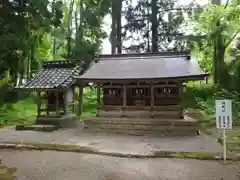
(143, 66)
(54, 75)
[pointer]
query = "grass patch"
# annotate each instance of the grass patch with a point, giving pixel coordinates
(201, 97)
(21, 112)
(7, 173)
(233, 140)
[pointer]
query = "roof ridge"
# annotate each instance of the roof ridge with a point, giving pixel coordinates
(140, 57)
(148, 54)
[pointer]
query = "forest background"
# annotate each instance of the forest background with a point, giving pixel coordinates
(34, 31)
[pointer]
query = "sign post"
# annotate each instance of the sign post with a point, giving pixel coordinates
(224, 120)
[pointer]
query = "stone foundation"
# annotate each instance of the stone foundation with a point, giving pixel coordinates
(140, 126)
(66, 121)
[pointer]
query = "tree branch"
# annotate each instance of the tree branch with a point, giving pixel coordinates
(232, 38)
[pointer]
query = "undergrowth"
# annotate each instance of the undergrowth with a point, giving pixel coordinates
(202, 96)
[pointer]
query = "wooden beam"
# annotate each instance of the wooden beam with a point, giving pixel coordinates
(98, 100)
(147, 108)
(138, 86)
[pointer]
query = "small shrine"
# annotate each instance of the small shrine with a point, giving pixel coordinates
(142, 93)
(55, 88)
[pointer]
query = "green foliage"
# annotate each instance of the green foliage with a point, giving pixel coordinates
(219, 24)
(22, 111)
(203, 96)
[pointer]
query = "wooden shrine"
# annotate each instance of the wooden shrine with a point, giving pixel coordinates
(141, 93)
(55, 88)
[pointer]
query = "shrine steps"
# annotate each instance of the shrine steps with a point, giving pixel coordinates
(138, 126)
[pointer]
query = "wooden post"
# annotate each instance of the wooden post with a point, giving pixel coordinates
(98, 100)
(80, 101)
(47, 105)
(38, 103)
(180, 87)
(152, 100)
(65, 103)
(124, 94)
(57, 103)
(73, 100)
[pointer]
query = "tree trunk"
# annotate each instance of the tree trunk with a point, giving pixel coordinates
(69, 32)
(154, 26)
(119, 26)
(114, 29)
(148, 28)
(54, 39)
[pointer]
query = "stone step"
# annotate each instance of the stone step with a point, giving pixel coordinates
(45, 128)
(41, 120)
(149, 127)
(175, 122)
(193, 132)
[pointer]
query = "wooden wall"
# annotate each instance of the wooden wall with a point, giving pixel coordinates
(144, 100)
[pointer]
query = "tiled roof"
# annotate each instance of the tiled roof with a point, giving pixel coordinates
(143, 66)
(54, 75)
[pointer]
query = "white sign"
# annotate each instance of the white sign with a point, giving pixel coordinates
(224, 114)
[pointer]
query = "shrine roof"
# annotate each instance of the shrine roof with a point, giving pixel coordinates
(161, 65)
(54, 75)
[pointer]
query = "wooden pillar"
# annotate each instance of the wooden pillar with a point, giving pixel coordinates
(80, 101)
(65, 103)
(152, 101)
(57, 103)
(98, 100)
(73, 100)
(38, 103)
(124, 94)
(180, 87)
(47, 105)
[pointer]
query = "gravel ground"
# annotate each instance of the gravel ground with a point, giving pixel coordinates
(50, 165)
(116, 143)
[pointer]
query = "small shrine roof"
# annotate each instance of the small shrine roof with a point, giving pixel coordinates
(162, 65)
(54, 75)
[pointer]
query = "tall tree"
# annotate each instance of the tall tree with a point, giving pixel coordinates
(220, 25)
(154, 28)
(164, 19)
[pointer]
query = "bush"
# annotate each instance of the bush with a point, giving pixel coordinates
(203, 96)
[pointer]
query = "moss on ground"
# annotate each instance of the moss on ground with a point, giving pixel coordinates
(190, 155)
(7, 173)
(89, 150)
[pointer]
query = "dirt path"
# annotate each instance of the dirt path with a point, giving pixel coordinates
(50, 165)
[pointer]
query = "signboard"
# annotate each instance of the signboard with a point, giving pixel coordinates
(224, 114)
(224, 120)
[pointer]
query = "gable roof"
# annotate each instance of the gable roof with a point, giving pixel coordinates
(162, 65)
(54, 75)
